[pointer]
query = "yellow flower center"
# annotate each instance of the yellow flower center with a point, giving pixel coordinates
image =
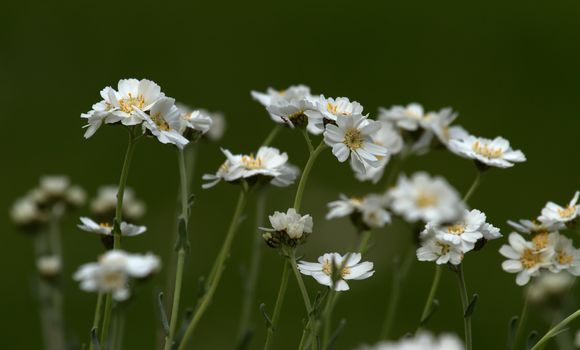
(530, 258)
(425, 200)
(564, 259)
(353, 138)
(327, 267)
(568, 211)
(128, 104)
(444, 248)
(486, 150)
(105, 225)
(250, 162)
(114, 279)
(160, 122)
(333, 108)
(456, 229)
(540, 240)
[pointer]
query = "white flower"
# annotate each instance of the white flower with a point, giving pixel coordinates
(329, 110)
(553, 213)
(133, 96)
(352, 137)
(218, 125)
(369, 209)
(290, 222)
(49, 265)
(407, 118)
(420, 341)
(495, 153)
(114, 271)
(54, 185)
(434, 248)
(549, 285)
(164, 122)
(535, 226)
(566, 257)
(197, 120)
(106, 229)
(105, 203)
(352, 269)
(388, 137)
(25, 212)
(76, 196)
(467, 231)
(524, 258)
(269, 164)
(426, 198)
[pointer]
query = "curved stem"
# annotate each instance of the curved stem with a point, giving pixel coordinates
(473, 187)
(308, 141)
(97, 317)
(301, 286)
(555, 330)
(521, 323)
(306, 173)
(278, 307)
(429, 303)
(465, 304)
(364, 241)
(272, 135)
(217, 270)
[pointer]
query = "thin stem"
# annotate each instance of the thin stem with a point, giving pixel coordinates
(218, 268)
(473, 187)
(306, 173)
(278, 306)
(399, 274)
(555, 330)
(272, 135)
(256, 257)
(308, 141)
(106, 319)
(429, 303)
(327, 316)
(97, 317)
(301, 286)
(465, 304)
(364, 241)
(521, 323)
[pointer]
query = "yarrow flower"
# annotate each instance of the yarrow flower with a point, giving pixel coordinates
(269, 165)
(218, 125)
(420, 341)
(333, 269)
(104, 204)
(524, 258)
(552, 214)
(49, 266)
(535, 226)
(388, 137)
(329, 110)
(196, 122)
(426, 198)
(366, 213)
(550, 286)
(114, 272)
(165, 123)
(106, 228)
(288, 229)
(494, 153)
(352, 137)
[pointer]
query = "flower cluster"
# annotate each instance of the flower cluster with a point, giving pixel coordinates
(368, 212)
(269, 165)
(141, 102)
(420, 341)
(547, 249)
(104, 204)
(288, 229)
(114, 271)
(333, 269)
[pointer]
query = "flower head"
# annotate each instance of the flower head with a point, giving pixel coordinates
(104, 204)
(49, 266)
(334, 269)
(390, 138)
(329, 110)
(495, 153)
(554, 213)
(352, 136)
(524, 258)
(288, 228)
(420, 341)
(164, 121)
(366, 213)
(535, 226)
(106, 228)
(114, 271)
(193, 123)
(566, 257)
(218, 125)
(435, 248)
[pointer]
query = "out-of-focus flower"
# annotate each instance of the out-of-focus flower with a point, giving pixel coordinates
(104, 204)
(566, 257)
(106, 229)
(26, 215)
(554, 213)
(420, 341)
(550, 286)
(366, 213)
(49, 266)
(426, 198)
(324, 271)
(495, 153)
(535, 226)
(114, 271)
(218, 125)
(289, 229)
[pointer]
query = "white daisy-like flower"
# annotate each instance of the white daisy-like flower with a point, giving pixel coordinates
(466, 231)
(323, 271)
(352, 137)
(407, 117)
(434, 248)
(426, 198)
(114, 271)
(105, 203)
(566, 257)
(218, 125)
(288, 228)
(524, 258)
(196, 120)
(329, 110)
(49, 266)
(554, 213)
(390, 138)
(26, 214)
(535, 226)
(123, 105)
(495, 153)
(76, 196)
(268, 164)
(164, 122)
(54, 185)
(273, 96)
(420, 341)
(549, 285)
(369, 210)
(106, 229)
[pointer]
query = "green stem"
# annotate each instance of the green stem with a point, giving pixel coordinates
(301, 286)
(218, 268)
(429, 303)
(473, 187)
(308, 141)
(521, 324)
(181, 252)
(116, 229)
(272, 135)
(465, 304)
(278, 307)
(97, 317)
(250, 285)
(555, 330)
(364, 241)
(306, 173)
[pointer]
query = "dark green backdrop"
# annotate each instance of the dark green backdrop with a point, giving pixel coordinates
(510, 68)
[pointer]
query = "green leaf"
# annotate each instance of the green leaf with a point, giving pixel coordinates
(183, 236)
(471, 307)
(531, 339)
(95, 339)
(434, 308)
(512, 329)
(269, 323)
(162, 313)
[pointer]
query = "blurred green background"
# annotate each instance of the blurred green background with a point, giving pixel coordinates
(510, 68)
